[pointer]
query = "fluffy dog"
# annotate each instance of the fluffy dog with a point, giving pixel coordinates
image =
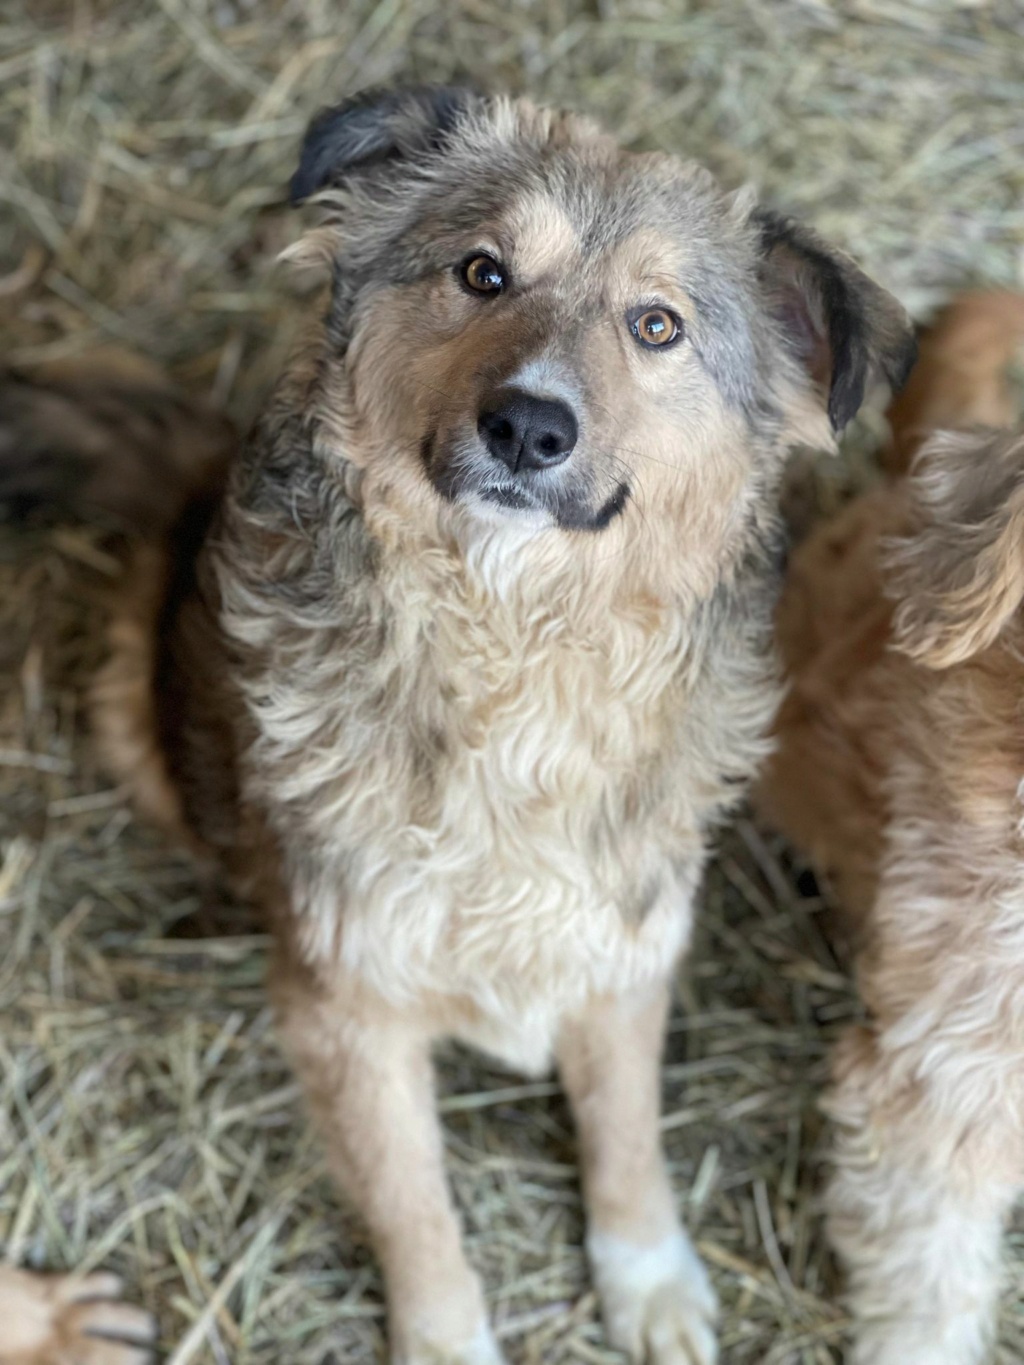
(900, 770)
(479, 650)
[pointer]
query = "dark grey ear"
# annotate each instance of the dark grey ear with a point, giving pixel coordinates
(841, 325)
(371, 127)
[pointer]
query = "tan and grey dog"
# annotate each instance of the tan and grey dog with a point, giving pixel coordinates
(900, 769)
(479, 651)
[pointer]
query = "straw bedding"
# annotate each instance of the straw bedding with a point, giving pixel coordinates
(147, 1121)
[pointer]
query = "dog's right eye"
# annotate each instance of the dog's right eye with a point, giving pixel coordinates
(483, 275)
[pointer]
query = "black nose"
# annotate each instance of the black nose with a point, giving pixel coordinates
(526, 432)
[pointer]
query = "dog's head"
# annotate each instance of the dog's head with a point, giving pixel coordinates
(544, 329)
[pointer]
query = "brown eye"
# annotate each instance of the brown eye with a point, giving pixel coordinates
(483, 275)
(656, 327)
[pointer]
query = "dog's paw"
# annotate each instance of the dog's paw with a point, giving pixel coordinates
(657, 1301)
(70, 1320)
(480, 1349)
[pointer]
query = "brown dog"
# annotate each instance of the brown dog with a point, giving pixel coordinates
(899, 769)
(479, 650)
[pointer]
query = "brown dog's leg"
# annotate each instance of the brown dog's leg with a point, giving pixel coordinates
(928, 1160)
(368, 1077)
(70, 1320)
(656, 1298)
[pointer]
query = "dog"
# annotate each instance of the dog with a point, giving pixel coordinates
(899, 770)
(461, 672)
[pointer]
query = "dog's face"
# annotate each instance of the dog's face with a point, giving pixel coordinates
(543, 327)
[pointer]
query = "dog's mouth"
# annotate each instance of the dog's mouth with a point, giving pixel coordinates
(508, 496)
(462, 473)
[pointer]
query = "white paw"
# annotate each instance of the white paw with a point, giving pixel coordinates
(480, 1349)
(70, 1320)
(657, 1301)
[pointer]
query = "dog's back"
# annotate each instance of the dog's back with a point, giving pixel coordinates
(109, 441)
(961, 378)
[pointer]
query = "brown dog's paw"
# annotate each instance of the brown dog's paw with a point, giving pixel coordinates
(70, 1320)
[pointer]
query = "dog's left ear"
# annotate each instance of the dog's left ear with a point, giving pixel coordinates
(372, 127)
(842, 326)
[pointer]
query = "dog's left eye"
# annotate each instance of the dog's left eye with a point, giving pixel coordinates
(656, 327)
(483, 275)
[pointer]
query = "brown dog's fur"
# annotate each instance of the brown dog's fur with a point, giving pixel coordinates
(899, 770)
(464, 733)
(961, 374)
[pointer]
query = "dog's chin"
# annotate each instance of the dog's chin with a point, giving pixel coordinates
(503, 504)
(510, 500)
(511, 504)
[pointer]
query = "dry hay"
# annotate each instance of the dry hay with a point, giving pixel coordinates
(147, 1121)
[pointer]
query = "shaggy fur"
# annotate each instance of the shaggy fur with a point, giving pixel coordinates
(464, 729)
(900, 769)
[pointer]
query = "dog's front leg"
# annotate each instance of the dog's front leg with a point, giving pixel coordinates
(368, 1078)
(657, 1301)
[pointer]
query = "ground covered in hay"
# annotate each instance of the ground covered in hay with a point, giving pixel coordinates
(147, 1121)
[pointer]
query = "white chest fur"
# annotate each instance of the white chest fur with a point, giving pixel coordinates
(483, 791)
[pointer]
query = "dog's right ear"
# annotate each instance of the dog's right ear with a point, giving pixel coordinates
(374, 126)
